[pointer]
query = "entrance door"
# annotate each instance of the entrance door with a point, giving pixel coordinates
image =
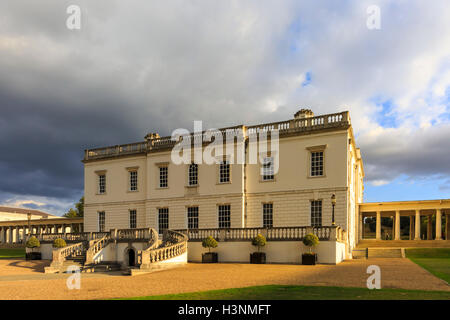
(131, 258)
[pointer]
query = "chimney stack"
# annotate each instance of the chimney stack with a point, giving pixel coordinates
(151, 136)
(303, 114)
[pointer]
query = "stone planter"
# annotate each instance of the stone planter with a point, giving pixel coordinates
(210, 257)
(33, 256)
(309, 259)
(258, 257)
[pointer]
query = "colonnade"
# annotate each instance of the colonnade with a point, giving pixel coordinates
(13, 232)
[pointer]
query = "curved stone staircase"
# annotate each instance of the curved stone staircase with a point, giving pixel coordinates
(169, 252)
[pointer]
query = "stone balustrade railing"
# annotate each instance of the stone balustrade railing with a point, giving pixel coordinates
(95, 246)
(60, 255)
(174, 244)
(160, 143)
(133, 234)
(82, 236)
(272, 234)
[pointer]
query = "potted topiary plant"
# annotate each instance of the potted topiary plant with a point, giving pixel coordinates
(31, 244)
(59, 243)
(310, 258)
(210, 257)
(258, 257)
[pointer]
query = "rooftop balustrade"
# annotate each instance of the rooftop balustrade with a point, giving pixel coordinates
(293, 126)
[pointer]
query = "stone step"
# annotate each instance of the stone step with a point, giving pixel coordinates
(385, 253)
(102, 267)
(359, 253)
(403, 244)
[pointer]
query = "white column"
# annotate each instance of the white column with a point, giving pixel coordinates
(397, 225)
(411, 227)
(378, 226)
(360, 226)
(438, 224)
(429, 228)
(447, 226)
(16, 238)
(10, 240)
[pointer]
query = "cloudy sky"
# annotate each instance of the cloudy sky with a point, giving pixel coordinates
(152, 66)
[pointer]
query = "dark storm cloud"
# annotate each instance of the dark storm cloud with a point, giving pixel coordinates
(419, 153)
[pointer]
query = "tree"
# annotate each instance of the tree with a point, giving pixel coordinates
(78, 211)
(259, 241)
(209, 243)
(310, 240)
(32, 243)
(59, 243)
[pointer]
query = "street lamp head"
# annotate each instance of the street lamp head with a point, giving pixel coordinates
(29, 215)
(333, 199)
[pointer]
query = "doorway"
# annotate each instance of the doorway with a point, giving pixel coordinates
(131, 257)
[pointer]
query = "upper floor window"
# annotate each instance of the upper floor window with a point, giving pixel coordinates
(267, 169)
(267, 215)
(224, 216)
(192, 215)
(101, 221)
(102, 183)
(133, 175)
(163, 177)
(163, 219)
(133, 219)
(316, 213)
(316, 163)
(224, 171)
(193, 174)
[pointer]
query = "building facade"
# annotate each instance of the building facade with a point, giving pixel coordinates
(138, 185)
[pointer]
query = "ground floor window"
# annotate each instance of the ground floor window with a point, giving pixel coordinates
(101, 221)
(267, 215)
(192, 215)
(133, 219)
(316, 213)
(163, 219)
(224, 216)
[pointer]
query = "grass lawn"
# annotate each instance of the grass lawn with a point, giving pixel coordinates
(279, 292)
(435, 260)
(12, 253)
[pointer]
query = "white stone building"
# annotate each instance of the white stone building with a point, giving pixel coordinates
(138, 185)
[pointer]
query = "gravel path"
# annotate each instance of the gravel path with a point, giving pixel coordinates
(23, 280)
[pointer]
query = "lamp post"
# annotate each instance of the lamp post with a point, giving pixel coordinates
(333, 203)
(29, 218)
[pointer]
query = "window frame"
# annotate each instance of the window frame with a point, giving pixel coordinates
(267, 177)
(311, 151)
(192, 220)
(228, 164)
(313, 213)
(130, 180)
(160, 168)
(160, 212)
(193, 174)
(101, 225)
(130, 215)
(220, 219)
(101, 175)
(264, 212)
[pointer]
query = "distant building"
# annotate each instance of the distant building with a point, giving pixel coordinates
(11, 213)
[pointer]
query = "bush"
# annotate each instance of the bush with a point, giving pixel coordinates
(33, 242)
(209, 243)
(310, 240)
(259, 241)
(59, 243)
